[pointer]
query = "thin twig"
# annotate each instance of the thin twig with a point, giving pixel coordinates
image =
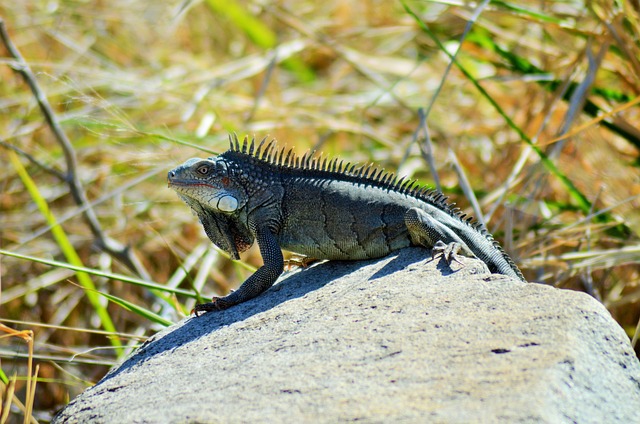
(426, 147)
(587, 279)
(445, 74)
(579, 96)
(263, 86)
(114, 248)
(465, 185)
(61, 176)
(467, 29)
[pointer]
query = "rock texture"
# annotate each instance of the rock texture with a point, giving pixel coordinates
(401, 339)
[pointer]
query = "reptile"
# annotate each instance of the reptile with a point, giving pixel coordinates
(320, 208)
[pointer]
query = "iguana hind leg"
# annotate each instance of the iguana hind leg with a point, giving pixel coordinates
(428, 232)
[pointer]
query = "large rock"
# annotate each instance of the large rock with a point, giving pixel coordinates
(399, 339)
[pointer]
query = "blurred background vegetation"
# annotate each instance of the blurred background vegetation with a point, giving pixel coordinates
(533, 124)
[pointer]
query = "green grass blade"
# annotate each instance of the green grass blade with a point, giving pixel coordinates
(528, 12)
(66, 247)
(110, 275)
(259, 33)
(145, 313)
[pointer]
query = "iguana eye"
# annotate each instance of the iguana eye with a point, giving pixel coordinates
(203, 169)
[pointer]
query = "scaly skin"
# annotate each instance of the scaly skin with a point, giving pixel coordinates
(321, 209)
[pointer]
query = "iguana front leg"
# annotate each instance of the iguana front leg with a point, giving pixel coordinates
(428, 232)
(259, 282)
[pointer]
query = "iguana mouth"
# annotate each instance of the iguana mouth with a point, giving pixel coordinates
(187, 183)
(192, 189)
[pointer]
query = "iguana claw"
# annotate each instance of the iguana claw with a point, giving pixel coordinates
(301, 262)
(216, 304)
(448, 251)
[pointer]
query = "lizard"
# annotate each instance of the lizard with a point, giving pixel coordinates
(320, 208)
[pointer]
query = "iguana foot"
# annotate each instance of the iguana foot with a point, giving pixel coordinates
(299, 261)
(216, 304)
(450, 252)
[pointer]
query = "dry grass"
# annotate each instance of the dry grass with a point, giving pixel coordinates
(139, 87)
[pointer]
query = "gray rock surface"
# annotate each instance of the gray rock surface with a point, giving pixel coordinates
(401, 339)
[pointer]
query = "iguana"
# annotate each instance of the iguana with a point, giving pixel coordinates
(324, 209)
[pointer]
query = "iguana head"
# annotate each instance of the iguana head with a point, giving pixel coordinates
(207, 182)
(208, 187)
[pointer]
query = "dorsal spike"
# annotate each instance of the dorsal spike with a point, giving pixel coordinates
(280, 155)
(251, 146)
(288, 158)
(266, 155)
(367, 172)
(273, 152)
(303, 160)
(405, 185)
(308, 159)
(259, 149)
(324, 164)
(245, 143)
(231, 136)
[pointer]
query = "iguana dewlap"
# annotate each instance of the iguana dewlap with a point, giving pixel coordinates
(324, 209)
